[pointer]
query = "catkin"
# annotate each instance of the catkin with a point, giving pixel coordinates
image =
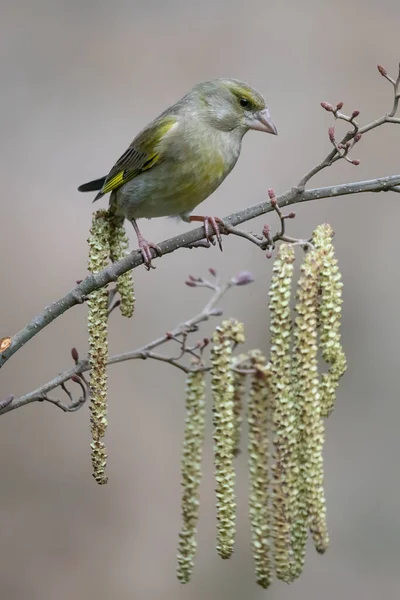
(307, 396)
(191, 472)
(330, 313)
(98, 344)
(228, 333)
(258, 448)
(286, 527)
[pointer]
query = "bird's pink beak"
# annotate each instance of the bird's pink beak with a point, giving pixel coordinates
(262, 121)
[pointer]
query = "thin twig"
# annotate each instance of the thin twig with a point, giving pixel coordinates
(81, 366)
(337, 153)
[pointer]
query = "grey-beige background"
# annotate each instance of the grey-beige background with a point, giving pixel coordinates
(78, 80)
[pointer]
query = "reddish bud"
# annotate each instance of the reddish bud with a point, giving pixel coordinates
(331, 133)
(212, 272)
(168, 335)
(382, 70)
(78, 281)
(75, 379)
(190, 283)
(75, 355)
(291, 215)
(266, 230)
(355, 162)
(357, 138)
(191, 278)
(327, 106)
(340, 146)
(243, 278)
(355, 114)
(206, 341)
(269, 255)
(339, 105)
(271, 194)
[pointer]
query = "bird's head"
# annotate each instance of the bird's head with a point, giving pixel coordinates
(229, 104)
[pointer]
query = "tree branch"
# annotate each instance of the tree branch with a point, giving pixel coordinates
(135, 259)
(178, 334)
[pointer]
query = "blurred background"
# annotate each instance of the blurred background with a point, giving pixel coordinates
(79, 79)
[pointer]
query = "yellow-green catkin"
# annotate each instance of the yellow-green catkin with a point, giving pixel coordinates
(239, 391)
(307, 395)
(191, 472)
(259, 422)
(225, 336)
(330, 313)
(289, 533)
(98, 344)
(119, 247)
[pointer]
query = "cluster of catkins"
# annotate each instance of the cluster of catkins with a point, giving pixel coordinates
(107, 241)
(287, 402)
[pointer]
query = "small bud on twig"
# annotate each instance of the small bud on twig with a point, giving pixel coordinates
(355, 162)
(357, 138)
(243, 278)
(331, 133)
(339, 105)
(382, 70)
(75, 355)
(212, 271)
(327, 106)
(266, 231)
(272, 197)
(355, 114)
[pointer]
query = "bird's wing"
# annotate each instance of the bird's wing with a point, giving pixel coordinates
(142, 154)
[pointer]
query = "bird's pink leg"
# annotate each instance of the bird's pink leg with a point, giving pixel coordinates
(214, 222)
(145, 246)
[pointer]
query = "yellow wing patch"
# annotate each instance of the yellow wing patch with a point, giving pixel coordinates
(118, 180)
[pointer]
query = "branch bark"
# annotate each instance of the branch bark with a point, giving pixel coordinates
(95, 281)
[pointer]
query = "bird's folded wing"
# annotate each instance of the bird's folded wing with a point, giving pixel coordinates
(142, 154)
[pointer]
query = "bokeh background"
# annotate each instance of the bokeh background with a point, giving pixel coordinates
(78, 80)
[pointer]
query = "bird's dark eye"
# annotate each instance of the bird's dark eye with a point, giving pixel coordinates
(244, 102)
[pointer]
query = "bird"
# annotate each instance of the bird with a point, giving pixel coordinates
(182, 156)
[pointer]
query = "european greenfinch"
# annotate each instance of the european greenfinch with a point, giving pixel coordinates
(182, 156)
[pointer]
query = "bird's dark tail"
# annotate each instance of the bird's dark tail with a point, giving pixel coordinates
(92, 186)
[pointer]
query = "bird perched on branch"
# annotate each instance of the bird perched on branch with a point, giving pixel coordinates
(182, 156)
